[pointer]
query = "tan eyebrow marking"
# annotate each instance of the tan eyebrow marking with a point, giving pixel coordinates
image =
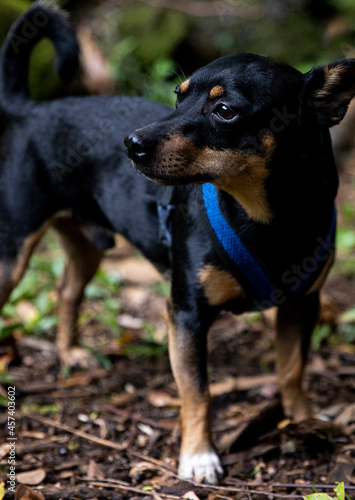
(216, 91)
(184, 85)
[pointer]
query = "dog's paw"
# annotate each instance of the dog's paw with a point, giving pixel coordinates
(78, 357)
(201, 467)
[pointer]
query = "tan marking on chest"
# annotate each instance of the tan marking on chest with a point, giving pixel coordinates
(219, 286)
(216, 91)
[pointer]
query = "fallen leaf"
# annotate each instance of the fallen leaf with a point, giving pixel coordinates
(284, 423)
(27, 311)
(31, 478)
(161, 399)
(141, 470)
(4, 450)
(318, 496)
(37, 343)
(2, 490)
(227, 385)
(133, 270)
(229, 438)
(94, 471)
(33, 434)
(134, 298)
(241, 384)
(331, 412)
(25, 493)
(146, 429)
(190, 495)
(129, 322)
(122, 399)
(347, 416)
(342, 471)
(156, 496)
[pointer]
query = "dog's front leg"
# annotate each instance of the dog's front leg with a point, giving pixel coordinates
(188, 352)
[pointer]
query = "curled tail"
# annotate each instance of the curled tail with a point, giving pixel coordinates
(40, 21)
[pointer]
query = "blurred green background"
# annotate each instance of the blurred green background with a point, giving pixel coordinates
(143, 47)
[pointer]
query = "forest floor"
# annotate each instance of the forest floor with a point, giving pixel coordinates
(113, 432)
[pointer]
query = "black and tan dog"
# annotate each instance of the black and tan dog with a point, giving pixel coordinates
(248, 224)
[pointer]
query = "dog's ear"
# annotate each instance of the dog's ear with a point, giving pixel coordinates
(329, 89)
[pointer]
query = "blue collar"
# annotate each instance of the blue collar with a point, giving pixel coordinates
(231, 248)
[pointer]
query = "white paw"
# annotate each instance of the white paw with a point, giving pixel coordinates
(201, 467)
(78, 357)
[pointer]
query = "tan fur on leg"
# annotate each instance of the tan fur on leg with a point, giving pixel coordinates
(198, 459)
(11, 272)
(83, 261)
(294, 326)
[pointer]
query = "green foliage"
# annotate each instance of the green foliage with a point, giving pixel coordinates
(32, 408)
(39, 280)
(347, 7)
(101, 359)
(144, 350)
(162, 288)
(43, 82)
(7, 331)
(157, 32)
(346, 329)
(296, 26)
(155, 82)
(345, 239)
(142, 60)
(320, 333)
(9, 11)
(344, 334)
(105, 287)
(339, 490)
(348, 211)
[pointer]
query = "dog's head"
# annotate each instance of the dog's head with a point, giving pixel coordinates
(232, 119)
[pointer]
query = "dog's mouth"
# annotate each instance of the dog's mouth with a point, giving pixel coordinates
(162, 172)
(171, 162)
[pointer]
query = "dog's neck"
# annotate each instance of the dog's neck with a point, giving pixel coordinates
(290, 184)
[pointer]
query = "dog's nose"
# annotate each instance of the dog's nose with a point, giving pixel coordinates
(135, 147)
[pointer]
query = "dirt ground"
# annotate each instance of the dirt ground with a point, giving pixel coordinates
(113, 432)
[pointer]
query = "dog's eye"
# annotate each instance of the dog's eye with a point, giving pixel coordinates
(224, 112)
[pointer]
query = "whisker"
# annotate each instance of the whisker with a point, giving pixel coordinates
(183, 74)
(255, 184)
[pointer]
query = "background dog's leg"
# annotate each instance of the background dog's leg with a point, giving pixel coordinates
(83, 261)
(14, 257)
(294, 326)
(188, 353)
